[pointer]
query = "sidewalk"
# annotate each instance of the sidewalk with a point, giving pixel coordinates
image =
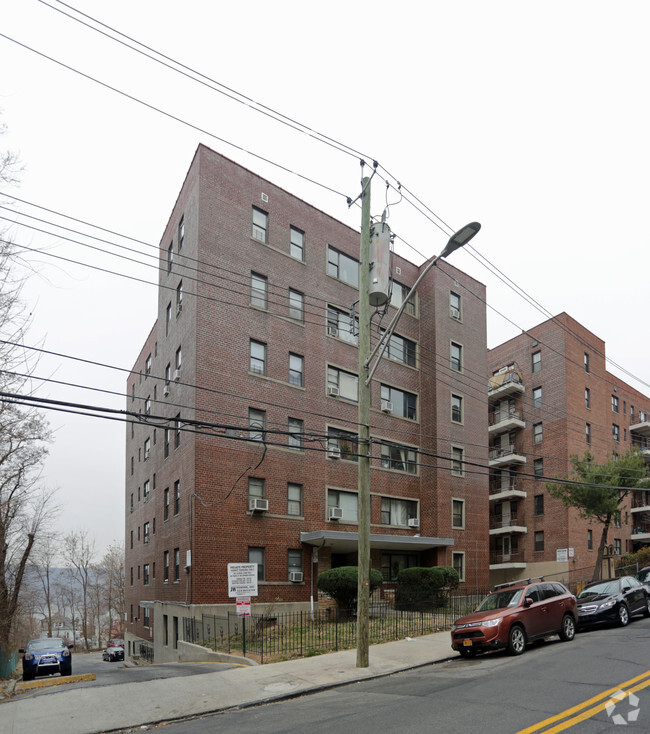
(106, 708)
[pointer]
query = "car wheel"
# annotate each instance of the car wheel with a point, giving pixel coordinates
(27, 677)
(568, 631)
(623, 615)
(646, 611)
(516, 640)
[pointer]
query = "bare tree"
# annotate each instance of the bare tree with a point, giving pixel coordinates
(112, 565)
(24, 504)
(43, 559)
(79, 553)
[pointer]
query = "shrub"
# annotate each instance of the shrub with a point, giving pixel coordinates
(642, 557)
(424, 589)
(341, 584)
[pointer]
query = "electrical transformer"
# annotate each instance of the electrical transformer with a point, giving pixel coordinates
(379, 263)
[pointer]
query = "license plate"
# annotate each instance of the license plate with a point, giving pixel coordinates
(467, 643)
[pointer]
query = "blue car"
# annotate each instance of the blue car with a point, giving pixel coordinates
(46, 656)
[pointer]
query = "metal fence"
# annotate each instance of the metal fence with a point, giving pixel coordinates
(273, 637)
(143, 650)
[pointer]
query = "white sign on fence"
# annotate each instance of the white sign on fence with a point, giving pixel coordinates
(242, 579)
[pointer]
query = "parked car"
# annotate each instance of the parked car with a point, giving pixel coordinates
(113, 653)
(515, 614)
(613, 600)
(46, 656)
(115, 642)
(644, 576)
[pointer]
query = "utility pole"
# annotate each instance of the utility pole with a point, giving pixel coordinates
(363, 583)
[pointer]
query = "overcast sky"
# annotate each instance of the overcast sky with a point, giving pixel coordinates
(531, 118)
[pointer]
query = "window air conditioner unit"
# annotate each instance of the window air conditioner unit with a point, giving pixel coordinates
(295, 576)
(258, 504)
(386, 406)
(332, 391)
(334, 452)
(454, 312)
(335, 513)
(177, 375)
(166, 390)
(332, 331)
(179, 308)
(413, 522)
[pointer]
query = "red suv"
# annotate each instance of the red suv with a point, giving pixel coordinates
(515, 614)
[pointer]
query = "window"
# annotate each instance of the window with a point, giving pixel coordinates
(179, 297)
(537, 397)
(397, 512)
(294, 560)
(256, 424)
(393, 563)
(586, 363)
(399, 458)
(400, 349)
(181, 233)
(458, 562)
(454, 305)
(587, 398)
(588, 433)
(536, 361)
(177, 564)
(167, 441)
(590, 539)
(295, 433)
(259, 290)
(257, 357)
(296, 370)
(131, 545)
(147, 405)
(456, 408)
(166, 566)
(614, 404)
(294, 499)
(347, 501)
(179, 359)
(168, 374)
(146, 617)
(539, 541)
(403, 403)
(256, 488)
(538, 433)
(457, 459)
(456, 357)
(617, 547)
(168, 318)
(177, 430)
(616, 432)
(170, 257)
(177, 497)
(147, 489)
(458, 514)
(147, 448)
(296, 305)
(147, 366)
(341, 325)
(166, 504)
(257, 555)
(131, 585)
(539, 504)
(260, 225)
(145, 574)
(346, 383)
(616, 522)
(297, 244)
(342, 267)
(345, 442)
(399, 294)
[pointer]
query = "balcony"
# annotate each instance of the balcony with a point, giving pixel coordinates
(502, 421)
(640, 501)
(508, 490)
(507, 560)
(641, 532)
(642, 444)
(505, 384)
(642, 428)
(504, 455)
(506, 524)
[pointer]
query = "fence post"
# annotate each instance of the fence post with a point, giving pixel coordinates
(243, 622)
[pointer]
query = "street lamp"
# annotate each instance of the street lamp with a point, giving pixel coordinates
(459, 239)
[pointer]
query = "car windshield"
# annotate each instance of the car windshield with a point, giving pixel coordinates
(605, 587)
(500, 600)
(49, 644)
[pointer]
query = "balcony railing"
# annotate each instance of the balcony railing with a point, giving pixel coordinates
(500, 451)
(498, 416)
(516, 557)
(498, 521)
(514, 485)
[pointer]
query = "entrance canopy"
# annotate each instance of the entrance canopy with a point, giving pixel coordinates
(342, 542)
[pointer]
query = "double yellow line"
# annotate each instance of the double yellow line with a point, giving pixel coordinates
(579, 713)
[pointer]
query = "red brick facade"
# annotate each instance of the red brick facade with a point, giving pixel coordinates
(217, 384)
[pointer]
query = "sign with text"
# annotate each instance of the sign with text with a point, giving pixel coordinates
(243, 606)
(242, 579)
(562, 555)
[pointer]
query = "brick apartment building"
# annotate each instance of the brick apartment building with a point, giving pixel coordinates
(244, 449)
(551, 397)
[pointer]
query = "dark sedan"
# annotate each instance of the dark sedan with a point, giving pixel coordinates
(612, 600)
(46, 656)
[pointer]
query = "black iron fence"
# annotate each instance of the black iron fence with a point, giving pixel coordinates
(143, 650)
(277, 636)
